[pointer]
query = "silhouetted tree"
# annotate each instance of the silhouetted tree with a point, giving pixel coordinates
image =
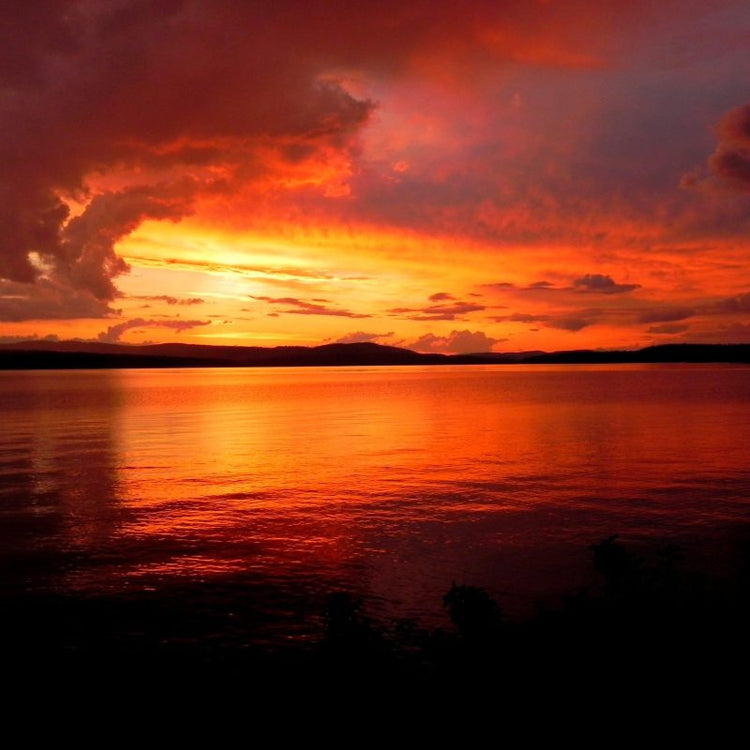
(619, 567)
(476, 615)
(350, 637)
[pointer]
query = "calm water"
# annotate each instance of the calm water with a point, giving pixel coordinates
(389, 482)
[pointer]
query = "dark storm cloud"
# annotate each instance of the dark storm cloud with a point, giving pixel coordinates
(77, 259)
(86, 257)
(158, 88)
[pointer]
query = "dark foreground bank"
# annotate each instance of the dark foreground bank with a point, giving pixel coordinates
(650, 618)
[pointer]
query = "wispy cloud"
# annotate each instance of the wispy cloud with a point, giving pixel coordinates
(665, 314)
(521, 318)
(590, 283)
(115, 332)
(304, 307)
(170, 300)
(570, 323)
(253, 271)
(667, 329)
(360, 337)
(453, 310)
(48, 299)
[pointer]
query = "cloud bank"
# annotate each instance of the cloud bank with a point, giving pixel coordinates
(456, 342)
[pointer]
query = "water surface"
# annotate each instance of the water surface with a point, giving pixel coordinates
(390, 482)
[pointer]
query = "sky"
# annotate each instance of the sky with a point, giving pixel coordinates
(510, 175)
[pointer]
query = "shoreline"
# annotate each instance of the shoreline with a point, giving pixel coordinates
(73, 356)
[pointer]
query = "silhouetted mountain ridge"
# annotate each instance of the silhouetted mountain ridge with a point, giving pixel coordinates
(686, 353)
(36, 354)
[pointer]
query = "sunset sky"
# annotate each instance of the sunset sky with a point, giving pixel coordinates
(447, 176)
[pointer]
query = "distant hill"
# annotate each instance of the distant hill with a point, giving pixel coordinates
(689, 353)
(78, 355)
(91, 355)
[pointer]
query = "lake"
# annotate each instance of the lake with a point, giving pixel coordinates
(387, 482)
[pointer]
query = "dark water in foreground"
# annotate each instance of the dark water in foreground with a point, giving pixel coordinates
(387, 482)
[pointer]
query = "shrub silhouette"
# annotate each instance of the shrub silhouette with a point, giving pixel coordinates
(476, 615)
(649, 615)
(350, 637)
(619, 567)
